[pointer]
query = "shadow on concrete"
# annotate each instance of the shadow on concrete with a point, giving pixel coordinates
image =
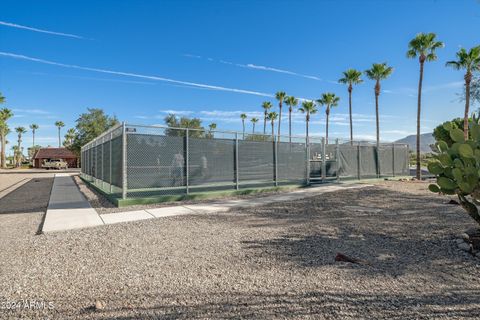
(33, 196)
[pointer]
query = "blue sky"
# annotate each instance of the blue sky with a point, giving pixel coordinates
(140, 60)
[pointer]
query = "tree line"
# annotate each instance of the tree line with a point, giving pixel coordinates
(422, 47)
(88, 126)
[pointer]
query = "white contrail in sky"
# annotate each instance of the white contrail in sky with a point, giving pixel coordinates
(128, 74)
(18, 26)
(264, 68)
(256, 67)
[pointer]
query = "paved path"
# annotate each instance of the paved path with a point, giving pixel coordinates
(68, 208)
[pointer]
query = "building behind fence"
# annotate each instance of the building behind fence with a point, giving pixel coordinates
(142, 161)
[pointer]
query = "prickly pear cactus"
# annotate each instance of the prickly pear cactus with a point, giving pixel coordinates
(457, 168)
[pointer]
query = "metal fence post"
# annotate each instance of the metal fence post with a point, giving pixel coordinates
(337, 160)
(95, 163)
(103, 173)
(359, 158)
(324, 161)
(110, 163)
(275, 160)
(393, 159)
(87, 162)
(187, 173)
(408, 160)
(124, 161)
(377, 155)
(236, 162)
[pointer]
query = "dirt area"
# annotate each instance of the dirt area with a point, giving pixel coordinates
(275, 261)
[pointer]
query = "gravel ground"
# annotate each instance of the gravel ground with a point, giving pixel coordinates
(275, 261)
(103, 206)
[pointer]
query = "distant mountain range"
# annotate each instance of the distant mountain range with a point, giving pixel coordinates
(426, 139)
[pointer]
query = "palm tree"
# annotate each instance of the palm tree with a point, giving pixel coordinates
(59, 125)
(470, 62)
(351, 77)
(272, 116)
(280, 96)
(267, 105)
(309, 108)
(291, 102)
(243, 116)
(5, 114)
(329, 100)
(378, 72)
(212, 126)
(69, 138)
(34, 127)
(254, 121)
(15, 155)
(2, 99)
(20, 131)
(423, 47)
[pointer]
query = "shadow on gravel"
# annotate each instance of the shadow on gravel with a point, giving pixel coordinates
(395, 232)
(316, 304)
(33, 196)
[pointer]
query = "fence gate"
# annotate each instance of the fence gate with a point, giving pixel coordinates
(323, 161)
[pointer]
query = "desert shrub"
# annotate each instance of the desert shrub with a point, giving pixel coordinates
(457, 167)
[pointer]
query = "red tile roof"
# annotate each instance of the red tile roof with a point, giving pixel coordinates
(54, 153)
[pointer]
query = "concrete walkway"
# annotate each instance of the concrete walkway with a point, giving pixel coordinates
(68, 208)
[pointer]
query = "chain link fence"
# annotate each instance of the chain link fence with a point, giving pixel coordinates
(142, 161)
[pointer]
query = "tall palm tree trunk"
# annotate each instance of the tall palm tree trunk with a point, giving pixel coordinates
(273, 132)
(243, 134)
(279, 120)
(326, 128)
(377, 149)
(3, 155)
(419, 109)
(468, 79)
(290, 125)
(377, 93)
(59, 144)
(33, 140)
(18, 152)
(1, 150)
(308, 138)
(265, 123)
(350, 112)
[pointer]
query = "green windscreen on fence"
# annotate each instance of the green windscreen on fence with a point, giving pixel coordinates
(168, 161)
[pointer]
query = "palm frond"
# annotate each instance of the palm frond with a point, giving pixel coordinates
(454, 64)
(351, 76)
(280, 95)
(328, 99)
(379, 71)
(308, 107)
(266, 105)
(431, 56)
(423, 44)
